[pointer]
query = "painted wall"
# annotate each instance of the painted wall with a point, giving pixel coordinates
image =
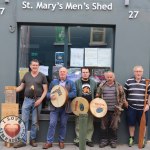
(132, 36)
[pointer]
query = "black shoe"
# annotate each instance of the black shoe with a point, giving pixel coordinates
(90, 144)
(101, 145)
(113, 145)
(77, 144)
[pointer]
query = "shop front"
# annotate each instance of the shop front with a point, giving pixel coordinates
(103, 35)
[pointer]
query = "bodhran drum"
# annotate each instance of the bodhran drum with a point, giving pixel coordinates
(79, 105)
(98, 107)
(61, 95)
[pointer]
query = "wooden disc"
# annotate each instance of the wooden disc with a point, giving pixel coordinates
(98, 107)
(61, 96)
(79, 105)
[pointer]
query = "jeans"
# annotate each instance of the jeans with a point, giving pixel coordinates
(53, 122)
(27, 108)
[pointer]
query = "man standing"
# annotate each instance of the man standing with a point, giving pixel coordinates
(113, 94)
(63, 111)
(86, 88)
(135, 95)
(35, 85)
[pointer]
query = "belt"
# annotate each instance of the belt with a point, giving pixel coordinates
(30, 97)
(34, 98)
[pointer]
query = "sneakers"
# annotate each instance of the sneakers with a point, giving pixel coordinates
(131, 142)
(144, 143)
(19, 144)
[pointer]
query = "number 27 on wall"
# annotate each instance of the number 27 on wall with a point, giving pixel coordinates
(2, 10)
(133, 14)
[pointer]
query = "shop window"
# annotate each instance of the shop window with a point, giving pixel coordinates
(97, 36)
(47, 44)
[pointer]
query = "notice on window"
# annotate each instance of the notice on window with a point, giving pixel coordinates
(104, 57)
(91, 57)
(44, 70)
(99, 57)
(77, 57)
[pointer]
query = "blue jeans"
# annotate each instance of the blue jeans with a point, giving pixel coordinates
(27, 108)
(53, 122)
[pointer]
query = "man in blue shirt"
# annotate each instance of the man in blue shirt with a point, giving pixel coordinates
(63, 111)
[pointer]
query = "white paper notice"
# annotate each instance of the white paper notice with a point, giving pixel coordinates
(90, 56)
(104, 57)
(44, 70)
(77, 57)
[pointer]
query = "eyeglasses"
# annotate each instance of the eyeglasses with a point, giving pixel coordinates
(138, 71)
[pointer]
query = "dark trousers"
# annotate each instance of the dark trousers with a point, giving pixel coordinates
(108, 132)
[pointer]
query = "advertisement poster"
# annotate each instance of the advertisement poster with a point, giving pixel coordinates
(59, 58)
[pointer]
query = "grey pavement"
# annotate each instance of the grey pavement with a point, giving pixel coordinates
(73, 147)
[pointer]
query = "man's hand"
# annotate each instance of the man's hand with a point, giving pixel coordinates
(53, 97)
(37, 103)
(146, 108)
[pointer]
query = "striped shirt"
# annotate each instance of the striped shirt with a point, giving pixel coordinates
(109, 95)
(135, 93)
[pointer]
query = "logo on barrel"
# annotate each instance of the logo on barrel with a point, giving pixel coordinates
(12, 129)
(57, 91)
(99, 107)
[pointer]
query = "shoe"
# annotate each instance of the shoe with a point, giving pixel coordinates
(77, 144)
(47, 145)
(33, 143)
(61, 145)
(90, 144)
(131, 142)
(102, 144)
(113, 145)
(144, 143)
(19, 144)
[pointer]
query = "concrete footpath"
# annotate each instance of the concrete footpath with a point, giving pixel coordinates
(73, 147)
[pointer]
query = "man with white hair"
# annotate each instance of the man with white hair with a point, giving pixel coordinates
(113, 94)
(135, 94)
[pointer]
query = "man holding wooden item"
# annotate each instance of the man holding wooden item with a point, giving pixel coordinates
(137, 104)
(113, 94)
(61, 92)
(86, 88)
(35, 85)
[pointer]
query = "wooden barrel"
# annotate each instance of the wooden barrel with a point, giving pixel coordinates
(61, 96)
(98, 107)
(79, 105)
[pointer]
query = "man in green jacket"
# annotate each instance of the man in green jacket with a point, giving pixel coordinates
(86, 88)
